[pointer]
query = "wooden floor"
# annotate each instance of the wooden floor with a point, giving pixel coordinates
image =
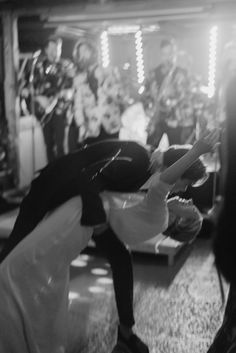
(177, 309)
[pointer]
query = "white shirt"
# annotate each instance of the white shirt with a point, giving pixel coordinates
(138, 217)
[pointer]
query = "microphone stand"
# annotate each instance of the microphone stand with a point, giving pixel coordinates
(32, 104)
(214, 196)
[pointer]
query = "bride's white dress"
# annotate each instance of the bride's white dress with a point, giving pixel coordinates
(34, 278)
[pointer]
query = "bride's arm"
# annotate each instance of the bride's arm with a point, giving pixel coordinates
(175, 171)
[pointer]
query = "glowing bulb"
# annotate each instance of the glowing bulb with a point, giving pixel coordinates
(99, 271)
(73, 295)
(141, 90)
(139, 56)
(105, 49)
(96, 289)
(104, 280)
(79, 263)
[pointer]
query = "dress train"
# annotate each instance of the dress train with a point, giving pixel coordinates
(34, 283)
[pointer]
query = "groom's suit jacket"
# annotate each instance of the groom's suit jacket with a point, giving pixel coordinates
(106, 165)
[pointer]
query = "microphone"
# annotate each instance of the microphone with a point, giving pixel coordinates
(35, 57)
(37, 53)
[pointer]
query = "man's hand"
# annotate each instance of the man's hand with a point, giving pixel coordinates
(100, 228)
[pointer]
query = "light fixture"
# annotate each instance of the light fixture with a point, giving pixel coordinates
(212, 61)
(104, 280)
(141, 90)
(139, 56)
(105, 52)
(123, 29)
(96, 289)
(73, 295)
(126, 66)
(79, 263)
(99, 271)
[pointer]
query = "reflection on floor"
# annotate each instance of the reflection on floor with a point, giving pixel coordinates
(177, 309)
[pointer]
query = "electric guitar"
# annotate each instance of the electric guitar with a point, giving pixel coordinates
(45, 106)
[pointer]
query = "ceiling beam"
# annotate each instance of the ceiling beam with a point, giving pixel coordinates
(118, 10)
(55, 8)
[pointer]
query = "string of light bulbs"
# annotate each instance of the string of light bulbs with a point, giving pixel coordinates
(213, 41)
(139, 56)
(105, 51)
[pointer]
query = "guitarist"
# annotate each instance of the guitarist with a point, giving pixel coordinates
(163, 84)
(50, 80)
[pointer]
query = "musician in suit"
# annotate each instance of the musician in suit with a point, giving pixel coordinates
(50, 79)
(164, 85)
(112, 165)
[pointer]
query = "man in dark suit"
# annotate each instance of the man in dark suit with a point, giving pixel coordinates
(48, 84)
(106, 165)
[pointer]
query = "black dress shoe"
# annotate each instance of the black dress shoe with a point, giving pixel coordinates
(131, 345)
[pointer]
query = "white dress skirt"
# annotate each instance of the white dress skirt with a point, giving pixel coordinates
(34, 278)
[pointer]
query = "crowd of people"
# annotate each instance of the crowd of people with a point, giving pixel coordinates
(97, 185)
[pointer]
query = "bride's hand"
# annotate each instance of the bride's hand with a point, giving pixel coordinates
(208, 142)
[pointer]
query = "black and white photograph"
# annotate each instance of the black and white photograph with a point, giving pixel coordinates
(117, 176)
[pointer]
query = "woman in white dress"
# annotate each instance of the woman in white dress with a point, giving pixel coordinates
(34, 277)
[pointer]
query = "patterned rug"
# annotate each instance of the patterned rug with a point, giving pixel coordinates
(181, 318)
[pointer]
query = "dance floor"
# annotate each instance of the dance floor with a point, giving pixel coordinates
(177, 309)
